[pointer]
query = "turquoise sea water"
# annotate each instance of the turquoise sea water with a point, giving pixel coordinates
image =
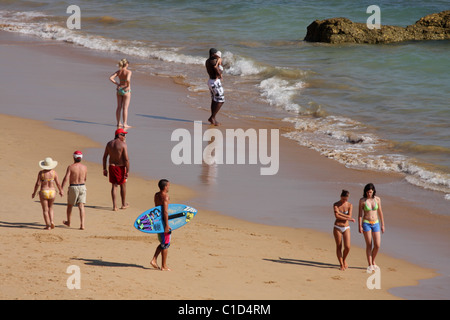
(379, 107)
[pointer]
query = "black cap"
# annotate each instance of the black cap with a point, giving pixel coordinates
(212, 51)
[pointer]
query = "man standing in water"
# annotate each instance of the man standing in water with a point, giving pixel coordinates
(162, 199)
(119, 166)
(76, 174)
(214, 84)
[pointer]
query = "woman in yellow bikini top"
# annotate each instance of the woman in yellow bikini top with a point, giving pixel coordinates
(45, 180)
(47, 189)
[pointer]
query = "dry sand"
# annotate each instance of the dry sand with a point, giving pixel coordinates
(213, 257)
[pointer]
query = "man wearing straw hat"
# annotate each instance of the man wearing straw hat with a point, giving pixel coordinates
(76, 174)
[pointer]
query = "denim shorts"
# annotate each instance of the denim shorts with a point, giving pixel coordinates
(374, 227)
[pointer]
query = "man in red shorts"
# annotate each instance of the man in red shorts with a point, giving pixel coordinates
(119, 166)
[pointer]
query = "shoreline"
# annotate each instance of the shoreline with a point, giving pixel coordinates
(170, 117)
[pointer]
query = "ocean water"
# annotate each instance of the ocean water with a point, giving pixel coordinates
(377, 107)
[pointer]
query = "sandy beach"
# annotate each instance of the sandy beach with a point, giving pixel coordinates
(214, 257)
(218, 255)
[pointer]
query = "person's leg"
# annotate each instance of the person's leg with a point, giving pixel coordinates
(44, 204)
(214, 110)
(69, 214)
(154, 262)
(338, 239)
(376, 245)
(210, 119)
(119, 109)
(347, 240)
(82, 215)
(164, 253)
(113, 196)
(123, 195)
(125, 105)
(50, 213)
(368, 239)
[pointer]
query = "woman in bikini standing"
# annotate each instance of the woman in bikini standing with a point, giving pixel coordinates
(123, 91)
(371, 223)
(46, 179)
(341, 230)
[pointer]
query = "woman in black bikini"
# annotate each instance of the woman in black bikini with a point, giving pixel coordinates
(341, 230)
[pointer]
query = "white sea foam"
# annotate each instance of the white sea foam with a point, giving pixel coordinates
(24, 22)
(240, 66)
(345, 141)
(280, 93)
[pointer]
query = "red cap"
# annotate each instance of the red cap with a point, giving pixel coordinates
(120, 130)
(78, 154)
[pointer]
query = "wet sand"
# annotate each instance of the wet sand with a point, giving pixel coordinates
(68, 89)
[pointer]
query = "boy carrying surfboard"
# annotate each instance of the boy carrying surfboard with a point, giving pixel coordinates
(162, 199)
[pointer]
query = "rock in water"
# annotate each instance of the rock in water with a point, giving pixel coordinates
(435, 26)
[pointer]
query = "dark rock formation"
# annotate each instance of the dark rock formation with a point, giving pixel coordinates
(435, 26)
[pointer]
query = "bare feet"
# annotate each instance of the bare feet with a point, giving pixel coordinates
(125, 206)
(213, 121)
(154, 264)
(166, 269)
(115, 209)
(67, 223)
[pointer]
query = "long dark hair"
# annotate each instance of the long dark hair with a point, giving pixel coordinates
(368, 187)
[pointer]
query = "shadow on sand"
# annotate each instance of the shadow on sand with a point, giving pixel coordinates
(308, 263)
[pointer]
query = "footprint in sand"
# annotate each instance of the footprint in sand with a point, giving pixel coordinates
(40, 237)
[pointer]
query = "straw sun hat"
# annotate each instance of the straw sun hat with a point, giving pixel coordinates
(48, 164)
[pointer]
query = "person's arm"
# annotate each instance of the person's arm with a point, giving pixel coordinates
(165, 207)
(37, 184)
(218, 71)
(66, 177)
(58, 185)
(360, 214)
(350, 213)
(105, 157)
(112, 78)
(342, 216)
(380, 214)
(126, 160)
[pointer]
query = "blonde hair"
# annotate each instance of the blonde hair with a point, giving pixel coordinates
(122, 63)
